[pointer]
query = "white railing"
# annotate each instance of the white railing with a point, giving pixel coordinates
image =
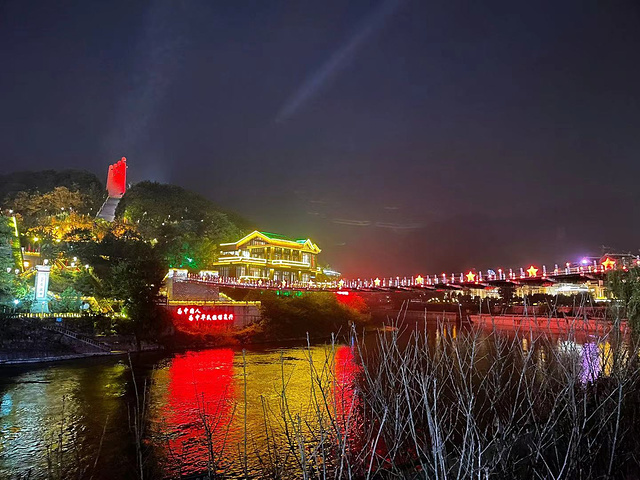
(293, 263)
(224, 259)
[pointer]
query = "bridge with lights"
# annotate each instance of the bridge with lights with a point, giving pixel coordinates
(585, 271)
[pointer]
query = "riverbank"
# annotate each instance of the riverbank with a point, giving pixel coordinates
(41, 346)
(283, 319)
(30, 341)
(177, 343)
(58, 358)
(290, 320)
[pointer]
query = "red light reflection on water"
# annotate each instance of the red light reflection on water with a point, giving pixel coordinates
(200, 390)
(347, 401)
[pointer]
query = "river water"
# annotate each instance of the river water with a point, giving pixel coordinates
(78, 418)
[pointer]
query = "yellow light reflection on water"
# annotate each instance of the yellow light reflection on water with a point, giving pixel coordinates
(606, 355)
(63, 406)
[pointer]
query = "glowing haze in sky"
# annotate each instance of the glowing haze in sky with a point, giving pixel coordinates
(403, 136)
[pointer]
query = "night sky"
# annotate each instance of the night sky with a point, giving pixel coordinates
(404, 137)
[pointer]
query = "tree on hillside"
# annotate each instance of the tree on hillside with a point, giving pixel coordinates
(69, 301)
(186, 226)
(52, 219)
(129, 269)
(12, 286)
(45, 181)
(7, 263)
(33, 207)
(189, 251)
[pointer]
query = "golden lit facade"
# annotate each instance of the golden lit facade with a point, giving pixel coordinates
(269, 257)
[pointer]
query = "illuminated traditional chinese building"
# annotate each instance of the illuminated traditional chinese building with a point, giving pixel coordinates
(269, 256)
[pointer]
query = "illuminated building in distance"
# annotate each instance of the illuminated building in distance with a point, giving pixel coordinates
(269, 256)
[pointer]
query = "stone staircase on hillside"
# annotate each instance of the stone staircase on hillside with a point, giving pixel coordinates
(108, 210)
(78, 337)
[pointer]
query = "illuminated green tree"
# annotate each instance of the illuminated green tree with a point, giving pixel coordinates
(12, 286)
(68, 301)
(7, 263)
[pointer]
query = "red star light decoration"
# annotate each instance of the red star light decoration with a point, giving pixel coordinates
(532, 271)
(609, 264)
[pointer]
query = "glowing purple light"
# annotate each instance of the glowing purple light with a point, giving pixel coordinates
(591, 364)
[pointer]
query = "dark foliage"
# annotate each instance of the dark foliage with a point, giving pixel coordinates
(45, 181)
(129, 269)
(318, 314)
(186, 226)
(625, 287)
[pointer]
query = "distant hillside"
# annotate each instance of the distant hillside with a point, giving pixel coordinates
(187, 226)
(45, 181)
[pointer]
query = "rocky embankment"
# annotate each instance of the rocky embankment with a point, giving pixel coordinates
(27, 340)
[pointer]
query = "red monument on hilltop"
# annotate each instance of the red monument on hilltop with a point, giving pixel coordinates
(117, 178)
(116, 187)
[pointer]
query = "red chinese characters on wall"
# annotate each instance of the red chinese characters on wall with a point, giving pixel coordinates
(200, 318)
(203, 314)
(117, 178)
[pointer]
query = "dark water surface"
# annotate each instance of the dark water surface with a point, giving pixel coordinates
(72, 419)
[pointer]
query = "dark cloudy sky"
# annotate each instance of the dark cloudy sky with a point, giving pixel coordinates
(405, 136)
